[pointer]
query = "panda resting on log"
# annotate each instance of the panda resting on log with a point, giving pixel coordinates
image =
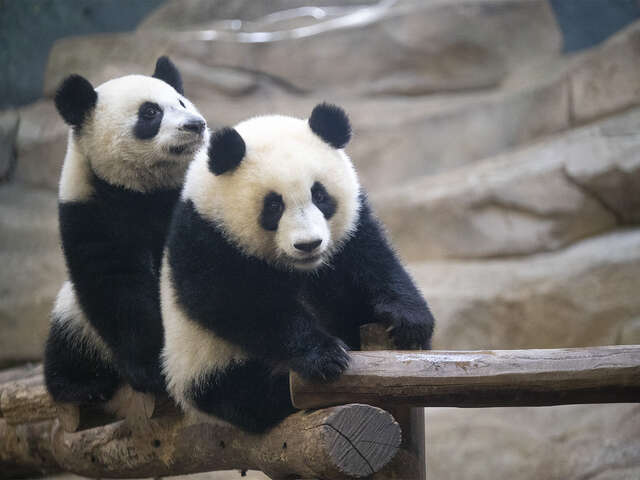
(131, 141)
(273, 261)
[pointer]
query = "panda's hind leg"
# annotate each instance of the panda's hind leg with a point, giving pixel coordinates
(246, 394)
(77, 365)
(73, 372)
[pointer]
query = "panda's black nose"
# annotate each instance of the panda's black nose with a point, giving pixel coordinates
(308, 246)
(196, 126)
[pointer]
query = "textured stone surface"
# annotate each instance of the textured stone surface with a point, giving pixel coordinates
(536, 199)
(614, 181)
(586, 294)
(463, 45)
(41, 145)
(608, 78)
(567, 442)
(32, 270)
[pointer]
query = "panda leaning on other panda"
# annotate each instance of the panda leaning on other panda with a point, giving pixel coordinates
(273, 261)
(131, 141)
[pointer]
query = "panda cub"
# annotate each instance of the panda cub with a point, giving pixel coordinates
(273, 261)
(131, 141)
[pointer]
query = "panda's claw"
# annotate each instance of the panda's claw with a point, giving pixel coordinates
(411, 335)
(325, 362)
(409, 328)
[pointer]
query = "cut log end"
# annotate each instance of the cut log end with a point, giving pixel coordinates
(360, 440)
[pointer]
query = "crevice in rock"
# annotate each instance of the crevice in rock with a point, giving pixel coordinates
(262, 76)
(591, 193)
(519, 209)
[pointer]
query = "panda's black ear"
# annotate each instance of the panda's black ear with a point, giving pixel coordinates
(226, 150)
(75, 98)
(331, 124)
(167, 72)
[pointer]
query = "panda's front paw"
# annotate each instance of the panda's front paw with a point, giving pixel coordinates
(145, 378)
(325, 361)
(410, 329)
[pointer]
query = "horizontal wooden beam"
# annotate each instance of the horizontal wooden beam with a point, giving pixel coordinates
(480, 378)
(333, 443)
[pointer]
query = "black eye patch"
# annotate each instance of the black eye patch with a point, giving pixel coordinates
(321, 199)
(272, 209)
(181, 103)
(149, 120)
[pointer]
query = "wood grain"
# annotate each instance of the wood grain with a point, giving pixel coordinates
(481, 378)
(335, 443)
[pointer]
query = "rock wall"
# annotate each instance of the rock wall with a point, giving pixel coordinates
(507, 173)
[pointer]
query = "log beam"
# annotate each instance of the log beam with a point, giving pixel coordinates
(26, 400)
(25, 450)
(499, 378)
(337, 443)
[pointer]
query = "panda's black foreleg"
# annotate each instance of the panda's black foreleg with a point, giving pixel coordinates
(385, 285)
(75, 374)
(247, 394)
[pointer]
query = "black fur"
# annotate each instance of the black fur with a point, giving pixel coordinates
(113, 248)
(272, 210)
(167, 72)
(290, 319)
(149, 119)
(75, 99)
(74, 373)
(247, 394)
(321, 199)
(226, 150)
(331, 124)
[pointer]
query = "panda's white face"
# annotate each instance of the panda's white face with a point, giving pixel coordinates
(141, 134)
(292, 200)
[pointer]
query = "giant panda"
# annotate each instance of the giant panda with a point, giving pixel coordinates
(273, 261)
(130, 142)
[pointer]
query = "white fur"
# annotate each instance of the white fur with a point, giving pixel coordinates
(190, 351)
(74, 179)
(283, 155)
(106, 143)
(68, 314)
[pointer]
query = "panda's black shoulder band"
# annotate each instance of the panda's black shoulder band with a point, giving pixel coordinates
(226, 150)
(167, 72)
(74, 99)
(331, 124)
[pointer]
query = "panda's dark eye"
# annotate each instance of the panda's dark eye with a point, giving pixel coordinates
(272, 208)
(319, 193)
(321, 199)
(149, 121)
(181, 103)
(319, 196)
(149, 110)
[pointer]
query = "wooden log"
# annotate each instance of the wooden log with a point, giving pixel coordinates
(26, 401)
(481, 378)
(20, 373)
(335, 443)
(25, 450)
